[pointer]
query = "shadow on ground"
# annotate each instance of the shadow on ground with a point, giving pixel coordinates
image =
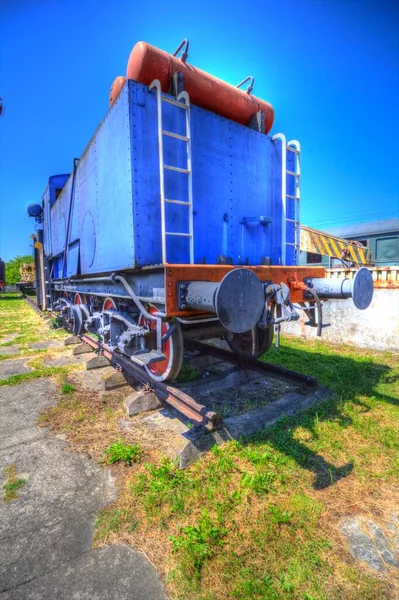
(5, 298)
(349, 379)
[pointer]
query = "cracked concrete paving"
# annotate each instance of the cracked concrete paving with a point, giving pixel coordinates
(14, 367)
(46, 534)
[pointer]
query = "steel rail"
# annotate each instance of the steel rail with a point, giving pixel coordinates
(305, 381)
(32, 304)
(179, 400)
(197, 413)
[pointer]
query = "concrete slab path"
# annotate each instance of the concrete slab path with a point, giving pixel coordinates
(46, 534)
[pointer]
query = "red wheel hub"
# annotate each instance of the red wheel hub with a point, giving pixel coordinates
(109, 304)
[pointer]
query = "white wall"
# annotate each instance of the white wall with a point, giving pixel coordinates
(377, 327)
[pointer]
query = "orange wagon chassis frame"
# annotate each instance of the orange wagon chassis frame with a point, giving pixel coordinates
(293, 277)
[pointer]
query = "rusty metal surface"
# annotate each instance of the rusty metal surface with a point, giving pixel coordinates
(33, 304)
(383, 277)
(276, 274)
(320, 242)
(147, 63)
(305, 382)
(186, 405)
(27, 272)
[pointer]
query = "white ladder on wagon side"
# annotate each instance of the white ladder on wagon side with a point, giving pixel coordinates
(183, 103)
(294, 147)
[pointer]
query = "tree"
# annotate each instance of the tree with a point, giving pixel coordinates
(12, 268)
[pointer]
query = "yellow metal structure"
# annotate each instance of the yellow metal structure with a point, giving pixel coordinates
(27, 272)
(319, 242)
(384, 278)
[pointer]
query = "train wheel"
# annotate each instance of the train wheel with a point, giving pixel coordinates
(241, 343)
(72, 316)
(76, 319)
(82, 311)
(173, 348)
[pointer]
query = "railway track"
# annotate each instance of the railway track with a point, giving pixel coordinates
(32, 303)
(185, 404)
(199, 414)
(305, 382)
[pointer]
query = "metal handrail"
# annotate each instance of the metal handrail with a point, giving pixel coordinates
(282, 138)
(182, 101)
(295, 147)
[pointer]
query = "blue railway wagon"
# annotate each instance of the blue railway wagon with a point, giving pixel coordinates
(178, 223)
(113, 218)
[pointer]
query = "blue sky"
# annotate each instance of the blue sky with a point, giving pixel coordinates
(329, 67)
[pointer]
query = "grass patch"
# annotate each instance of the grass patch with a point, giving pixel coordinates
(68, 388)
(258, 518)
(109, 522)
(126, 453)
(12, 484)
(19, 318)
(198, 543)
(11, 489)
(188, 373)
(91, 421)
(56, 322)
(9, 356)
(37, 373)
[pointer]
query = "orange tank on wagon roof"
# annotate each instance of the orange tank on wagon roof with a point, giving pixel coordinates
(116, 88)
(147, 63)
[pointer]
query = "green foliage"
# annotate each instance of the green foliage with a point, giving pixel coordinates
(56, 322)
(198, 543)
(38, 372)
(260, 483)
(120, 452)
(17, 317)
(111, 519)
(166, 476)
(251, 586)
(188, 373)
(12, 268)
(278, 516)
(13, 484)
(343, 369)
(11, 489)
(67, 388)
(165, 485)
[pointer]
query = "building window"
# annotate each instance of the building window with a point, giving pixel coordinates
(387, 249)
(313, 259)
